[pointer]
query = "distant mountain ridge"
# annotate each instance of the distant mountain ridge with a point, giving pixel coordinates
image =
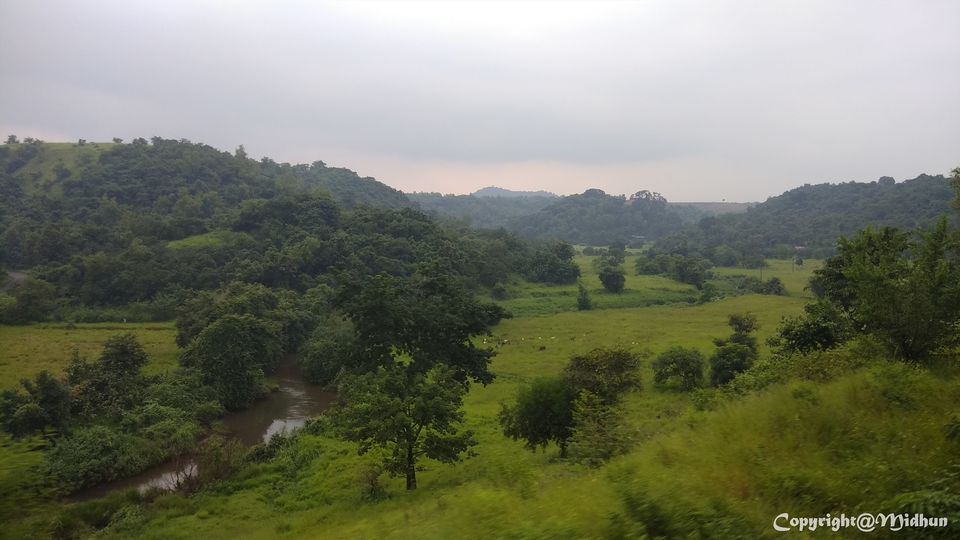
(494, 191)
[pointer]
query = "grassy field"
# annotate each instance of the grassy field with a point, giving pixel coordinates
(533, 299)
(505, 491)
(795, 278)
(848, 445)
(24, 352)
(28, 350)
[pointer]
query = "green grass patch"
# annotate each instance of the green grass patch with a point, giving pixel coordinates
(28, 350)
(795, 278)
(210, 240)
(504, 491)
(532, 299)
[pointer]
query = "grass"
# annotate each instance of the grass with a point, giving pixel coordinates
(41, 172)
(533, 299)
(25, 503)
(847, 445)
(505, 491)
(795, 278)
(28, 350)
(536, 299)
(213, 239)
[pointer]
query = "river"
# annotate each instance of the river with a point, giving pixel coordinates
(285, 410)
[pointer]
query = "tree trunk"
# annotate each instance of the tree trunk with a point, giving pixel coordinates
(411, 470)
(563, 449)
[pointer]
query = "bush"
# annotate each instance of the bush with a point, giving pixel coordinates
(583, 298)
(541, 414)
(682, 366)
(607, 373)
(613, 278)
(599, 432)
(728, 361)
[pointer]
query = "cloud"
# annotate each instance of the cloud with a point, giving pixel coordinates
(707, 100)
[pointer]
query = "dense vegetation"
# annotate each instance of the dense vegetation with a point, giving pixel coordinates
(657, 410)
(807, 220)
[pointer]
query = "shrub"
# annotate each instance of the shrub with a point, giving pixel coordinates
(541, 414)
(607, 373)
(613, 278)
(682, 366)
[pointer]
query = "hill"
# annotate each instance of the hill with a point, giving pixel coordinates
(99, 169)
(596, 218)
(482, 212)
(808, 219)
(493, 191)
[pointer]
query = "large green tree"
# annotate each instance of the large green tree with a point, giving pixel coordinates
(541, 414)
(232, 354)
(408, 413)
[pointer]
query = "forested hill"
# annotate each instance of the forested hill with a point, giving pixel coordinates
(813, 216)
(493, 191)
(597, 218)
(141, 173)
(482, 212)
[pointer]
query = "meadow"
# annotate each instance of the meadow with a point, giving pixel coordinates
(797, 447)
(534, 299)
(28, 350)
(694, 471)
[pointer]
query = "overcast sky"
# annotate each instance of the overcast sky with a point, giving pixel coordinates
(697, 100)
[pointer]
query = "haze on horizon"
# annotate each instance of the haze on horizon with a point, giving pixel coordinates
(697, 100)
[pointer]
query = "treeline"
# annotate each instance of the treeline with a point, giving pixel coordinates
(806, 221)
(129, 231)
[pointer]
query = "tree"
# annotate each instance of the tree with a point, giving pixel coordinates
(583, 298)
(541, 414)
(681, 365)
(111, 384)
(46, 404)
(738, 352)
(599, 432)
(608, 373)
(408, 413)
(613, 278)
(903, 290)
(231, 354)
(728, 361)
(12, 139)
(822, 326)
(429, 318)
(330, 350)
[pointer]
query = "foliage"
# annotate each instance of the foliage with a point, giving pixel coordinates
(429, 318)
(329, 351)
(554, 264)
(583, 298)
(111, 384)
(904, 291)
(45, 404)
(613, 278)
(232, 355)
(541, 414)
(807, 220)
(823, 326)
(594, 218)
(692, 270)
(682, 365)
(737, 353)
(605, 372)
(599, 431)
(410, 414)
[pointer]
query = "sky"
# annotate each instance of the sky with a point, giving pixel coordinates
(700, 101)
